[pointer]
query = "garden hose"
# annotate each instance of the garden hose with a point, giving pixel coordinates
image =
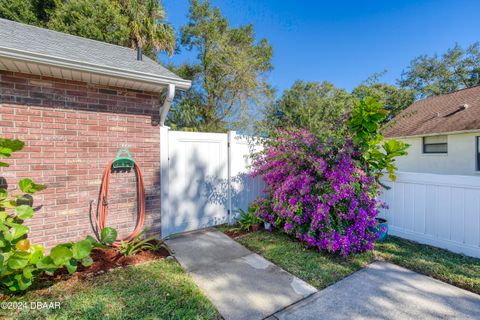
(101, 218)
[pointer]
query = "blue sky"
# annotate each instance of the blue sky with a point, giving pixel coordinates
(345, 41)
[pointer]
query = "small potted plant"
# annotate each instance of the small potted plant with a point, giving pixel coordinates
(249, 220)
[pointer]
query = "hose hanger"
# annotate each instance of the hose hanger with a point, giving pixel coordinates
(122, 162)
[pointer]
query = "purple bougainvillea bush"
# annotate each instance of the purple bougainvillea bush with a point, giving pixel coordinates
(318, 192)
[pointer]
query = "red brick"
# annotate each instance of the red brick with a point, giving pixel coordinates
(70, 136)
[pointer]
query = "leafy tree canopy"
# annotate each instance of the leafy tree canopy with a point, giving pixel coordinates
(317, 106)
(392, 98)
(34, 12)
(146, 26)
(131, 23)
(458, 68)
(228, 77)
(100, 20)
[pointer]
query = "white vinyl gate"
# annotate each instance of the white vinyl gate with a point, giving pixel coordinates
(203, 179)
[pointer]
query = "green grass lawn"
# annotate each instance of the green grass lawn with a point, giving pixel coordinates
(322, 270)
(155, 290)
(456, 269)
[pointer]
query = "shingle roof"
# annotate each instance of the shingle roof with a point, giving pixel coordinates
(14, 35)
(439, 114)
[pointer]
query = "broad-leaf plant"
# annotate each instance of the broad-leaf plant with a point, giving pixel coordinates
(378, 154)
(20, 260)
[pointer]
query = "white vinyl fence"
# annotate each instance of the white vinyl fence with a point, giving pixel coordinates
(440, 210)
(244, 189)
(204, 179)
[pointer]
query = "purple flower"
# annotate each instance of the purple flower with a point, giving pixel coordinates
(318, 192)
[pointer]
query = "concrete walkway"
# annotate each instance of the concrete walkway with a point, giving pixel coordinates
(241, 284)
(386, 291)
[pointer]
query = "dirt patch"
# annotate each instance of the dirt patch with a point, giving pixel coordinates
(236, 233)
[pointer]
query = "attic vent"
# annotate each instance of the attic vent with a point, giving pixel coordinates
(437, 114)
(463, 107)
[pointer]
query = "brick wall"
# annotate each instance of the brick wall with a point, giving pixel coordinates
(72, 130)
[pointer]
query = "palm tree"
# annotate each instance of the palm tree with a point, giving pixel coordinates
(148, 31)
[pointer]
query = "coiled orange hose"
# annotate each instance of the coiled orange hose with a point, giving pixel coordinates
(101, 218)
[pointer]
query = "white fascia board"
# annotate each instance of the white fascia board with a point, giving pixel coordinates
(93, 68)
(434, 134)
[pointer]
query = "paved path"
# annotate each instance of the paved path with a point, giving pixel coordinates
(241, 284)
(386, 291)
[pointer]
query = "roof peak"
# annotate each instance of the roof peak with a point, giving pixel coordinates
(448, 93)
(456, 111)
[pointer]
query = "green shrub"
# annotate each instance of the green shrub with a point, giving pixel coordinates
(377, 154)
(248, 218)
(20, 261)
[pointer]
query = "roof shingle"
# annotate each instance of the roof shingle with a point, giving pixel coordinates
(28, 38)
(439, 114)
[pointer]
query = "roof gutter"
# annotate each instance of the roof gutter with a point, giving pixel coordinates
(434, 134)
(31, 57)
(167, 103)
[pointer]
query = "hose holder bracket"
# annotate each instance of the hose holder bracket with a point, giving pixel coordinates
(123, 160)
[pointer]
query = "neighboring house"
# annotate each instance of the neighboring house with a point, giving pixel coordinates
(443, 132)
(75, 102)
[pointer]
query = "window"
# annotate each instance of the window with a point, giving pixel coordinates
(478, 153)
(435, 144)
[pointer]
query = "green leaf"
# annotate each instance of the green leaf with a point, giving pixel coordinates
(22, 282)
(87, 261)
(24, 212)
(81, 249)
(91, 239)
(61, 255)
(5, 152)
(47, 264)
(27, 272)
(37, 254)
(28, 186)
(71, 265)
(18, 231)
(108, 235)
(4, 164)
(8, 204)
(17, 261)
(12, 144)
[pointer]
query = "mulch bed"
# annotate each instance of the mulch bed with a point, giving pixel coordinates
(236, 233)
(105, 260)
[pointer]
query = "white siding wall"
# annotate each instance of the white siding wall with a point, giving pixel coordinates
(440, 210)
(460, 159)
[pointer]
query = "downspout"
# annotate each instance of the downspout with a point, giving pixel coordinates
(167, 103)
